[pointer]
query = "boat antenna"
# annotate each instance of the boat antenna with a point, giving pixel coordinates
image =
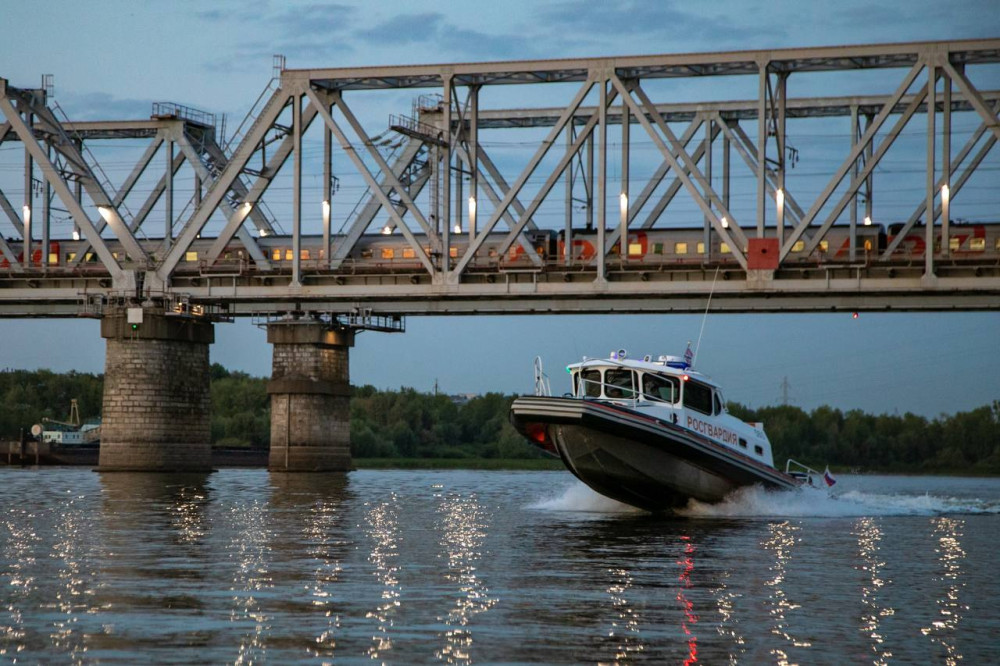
(704, 317)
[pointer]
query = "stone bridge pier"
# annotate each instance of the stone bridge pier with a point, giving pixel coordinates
(310, 396)
(156, 413)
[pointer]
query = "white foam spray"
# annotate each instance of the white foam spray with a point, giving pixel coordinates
(579, 497)
(813, 502)
(756, 502)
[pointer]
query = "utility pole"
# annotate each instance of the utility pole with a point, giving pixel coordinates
(784, 390)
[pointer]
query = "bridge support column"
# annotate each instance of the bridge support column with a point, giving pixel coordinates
(310, 397)
(156, 412)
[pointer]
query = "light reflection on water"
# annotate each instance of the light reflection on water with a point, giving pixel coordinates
(463, 524)
(383, 532)
(242, 566)
(951, 609)
(869, 535)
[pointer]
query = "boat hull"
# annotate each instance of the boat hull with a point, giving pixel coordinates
(636, 459)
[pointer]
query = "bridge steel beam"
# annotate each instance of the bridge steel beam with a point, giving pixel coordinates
(809, 216)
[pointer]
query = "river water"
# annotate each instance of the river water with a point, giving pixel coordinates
(402, 567)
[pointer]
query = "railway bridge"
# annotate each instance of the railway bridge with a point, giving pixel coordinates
(837, 178)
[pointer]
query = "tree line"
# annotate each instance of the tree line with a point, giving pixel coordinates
(405, 423)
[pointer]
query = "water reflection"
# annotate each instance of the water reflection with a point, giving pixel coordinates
(20, 543)
(625, 624)
(780, 542)
(382, 519)
(950, 607)
(869, 536)
(73, 552)
(318, 501)
(463, 522)
(690, 617)
(249, 549)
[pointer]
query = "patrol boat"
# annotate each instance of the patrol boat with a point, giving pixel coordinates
(652, 433)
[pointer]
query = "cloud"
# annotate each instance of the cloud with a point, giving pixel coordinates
(102, 106)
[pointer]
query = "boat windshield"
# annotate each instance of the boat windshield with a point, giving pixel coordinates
(659, 388)
(619, 383)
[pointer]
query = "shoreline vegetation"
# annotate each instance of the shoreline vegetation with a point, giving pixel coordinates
(406, 429)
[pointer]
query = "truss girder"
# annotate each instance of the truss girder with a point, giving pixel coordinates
(816, 59)
(374, 204)
(705, 197)
(323, 106)
(217, 191)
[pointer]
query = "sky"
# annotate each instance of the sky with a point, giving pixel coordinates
(112, 59)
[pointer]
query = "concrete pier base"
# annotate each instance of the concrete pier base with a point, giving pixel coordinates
(156, 414)
(310, 397)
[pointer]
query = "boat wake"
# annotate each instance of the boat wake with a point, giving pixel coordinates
(757, 502)
(817, 503)
(579, 497)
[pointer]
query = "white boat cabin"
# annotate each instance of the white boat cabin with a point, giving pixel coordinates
(667, 389)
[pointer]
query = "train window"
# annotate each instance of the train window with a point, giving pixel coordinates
(70, 256)
(53, 258)
(657, 248)
(190, 255)
(724, 248)
(114, 255)
(663, 389)
(824, 246)
(635, 249)
(227, 256)
(701, 248)
(539, 250)
(513, 252)
(408, 253)
(89, 257)
(998, 245)
(453, 252)
(288, 255)
(868, 245)
(954, 243)
(304, 255)
(366, 253)
(619, 383)
(977, 244)
(798, 246)
(388, 253)
(493, 252)
(276, 255)
(680, 248)
(698, 396)
(591, 383)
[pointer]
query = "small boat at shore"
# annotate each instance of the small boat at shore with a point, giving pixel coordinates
(652, 433)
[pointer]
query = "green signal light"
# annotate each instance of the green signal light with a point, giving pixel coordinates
(135, 327)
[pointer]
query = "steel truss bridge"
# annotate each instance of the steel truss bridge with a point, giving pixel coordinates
(452, 197)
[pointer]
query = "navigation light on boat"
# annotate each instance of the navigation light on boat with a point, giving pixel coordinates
(618, 355)
(854, 315)
(684, 378)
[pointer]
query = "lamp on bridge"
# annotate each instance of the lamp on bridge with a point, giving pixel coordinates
(868, 220)
(725, 223)
(945, 201)
(326, 212)
(387, 229)
(26, 214)
(472, 215)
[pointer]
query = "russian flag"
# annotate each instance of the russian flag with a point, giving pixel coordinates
(829, 477)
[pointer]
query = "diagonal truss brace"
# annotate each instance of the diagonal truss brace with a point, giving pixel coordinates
(323, 109)
(646, 111)
(61, 189)
(849, 163)
(512, 193)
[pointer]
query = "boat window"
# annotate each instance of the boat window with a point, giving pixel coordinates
(743, 442)
(718, 404)
(759, 450)
(591, 383)
(663, 389)
(619, 383)
(698, 396)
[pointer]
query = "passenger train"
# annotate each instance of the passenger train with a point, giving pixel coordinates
(654, 248)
